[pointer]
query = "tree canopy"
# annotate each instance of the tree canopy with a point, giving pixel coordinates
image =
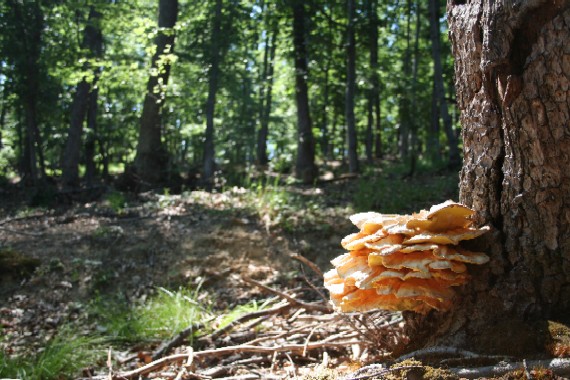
(232, 83)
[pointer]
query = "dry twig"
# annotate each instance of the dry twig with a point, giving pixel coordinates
(292, 300)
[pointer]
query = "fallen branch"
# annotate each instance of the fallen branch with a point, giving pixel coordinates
(20, 232)
(439, 351)
(152, 366)
(19, 218)
(380, 372)
(560, 367)
(247, 317)
(178, 340)
(292, 300)
(307, 262)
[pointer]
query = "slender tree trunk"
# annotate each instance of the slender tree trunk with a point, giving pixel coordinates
(30, 23)
(433, 147)
(94, 41)
(325, 138)
(266, 89)
(326, 144)
(72, 151)
(90, 167)
(404, 103)
(512, 75)
(376, 81)
(3, 112)
(152, 158)
(454, 158)
(415, 150)
(352, 139)
(373, 143)
(305, 168)
(215, 58)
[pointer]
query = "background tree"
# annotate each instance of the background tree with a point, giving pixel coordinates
(84, 103)
(242, 71)
(266, 85)
(511, 80)
(353, 165)
(305, 166)
(213, 73)
(439, 91)
(152, 159)
(27, 23)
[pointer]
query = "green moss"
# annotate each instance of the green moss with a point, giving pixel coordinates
(558, 339)
(417, 370)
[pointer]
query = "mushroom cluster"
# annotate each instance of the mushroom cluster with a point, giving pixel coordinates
(404, 262)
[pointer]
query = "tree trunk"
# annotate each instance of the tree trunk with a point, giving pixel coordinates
(512, 75)
(213, 73)
(351, 89)
(94, 41)
(30, 23)
(305, 168)
(454, 159)
(3, 109)
(82, 104)
(404, 102)
(327, 136)
(432, 146)
(90, 167)
(152, 158)
(415, 150)
(265, 98)
(373, 143)
(72, 151)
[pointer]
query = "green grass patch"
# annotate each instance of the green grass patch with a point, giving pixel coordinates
(391, 192)
(160, 317)
(62, 358)
(167, 313)
(240, 310)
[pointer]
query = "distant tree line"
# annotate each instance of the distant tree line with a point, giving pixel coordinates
(169, 88)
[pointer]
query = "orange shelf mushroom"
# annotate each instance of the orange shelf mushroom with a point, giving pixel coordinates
(404, 262)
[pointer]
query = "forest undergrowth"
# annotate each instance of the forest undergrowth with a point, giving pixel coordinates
(197, 285)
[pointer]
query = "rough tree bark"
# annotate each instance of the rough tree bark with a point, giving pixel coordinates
(512, 76)
(352, 141)
(305, 168)
(152, 158)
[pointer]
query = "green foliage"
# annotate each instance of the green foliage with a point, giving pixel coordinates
(54, 41)
(116, 201)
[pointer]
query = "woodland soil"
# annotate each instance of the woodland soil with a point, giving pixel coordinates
(57, 262)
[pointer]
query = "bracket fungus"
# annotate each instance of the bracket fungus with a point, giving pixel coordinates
(404, 262)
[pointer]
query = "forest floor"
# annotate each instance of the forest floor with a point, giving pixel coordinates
(244, 304)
